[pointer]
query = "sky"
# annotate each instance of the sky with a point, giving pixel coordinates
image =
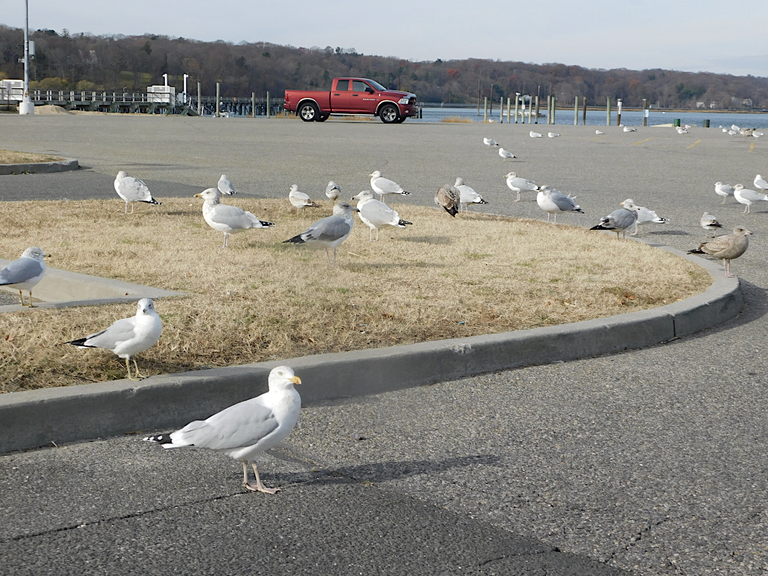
(705, 36)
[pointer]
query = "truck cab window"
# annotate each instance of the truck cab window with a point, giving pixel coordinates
(342, 85)
(360, 86)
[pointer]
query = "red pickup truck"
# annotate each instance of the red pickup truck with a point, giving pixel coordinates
(352, 96)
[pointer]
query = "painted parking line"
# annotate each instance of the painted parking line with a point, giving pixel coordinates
(694, 144)
(752, 147)
(641, 141)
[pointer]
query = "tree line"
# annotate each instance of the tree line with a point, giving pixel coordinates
(65, 61)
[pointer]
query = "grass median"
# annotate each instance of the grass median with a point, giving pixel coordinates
(260, 299)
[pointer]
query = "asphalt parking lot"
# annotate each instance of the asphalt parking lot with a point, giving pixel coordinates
(649, 462)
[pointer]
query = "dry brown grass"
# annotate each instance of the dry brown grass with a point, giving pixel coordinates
(13, 157)
(456, 120)
(261, 299)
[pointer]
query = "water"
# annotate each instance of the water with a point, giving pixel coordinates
(598, 117)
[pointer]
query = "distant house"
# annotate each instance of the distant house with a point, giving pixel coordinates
(11, 90)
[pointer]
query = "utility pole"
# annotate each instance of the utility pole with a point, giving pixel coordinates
(26, 106)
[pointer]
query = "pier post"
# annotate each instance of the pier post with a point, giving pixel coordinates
(645, 111)
(554, 109)
(618, 112)
(501, 111)
(268, 111)
(537, 109)
(576, 112)
(517, 104)
(485, 109)
(199, 103)
(253, 104)
(608, 111)
(584, 113)
(218, 95)
(509, 102)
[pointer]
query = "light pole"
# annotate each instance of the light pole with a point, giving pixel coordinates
(185, 88)
(25, 106)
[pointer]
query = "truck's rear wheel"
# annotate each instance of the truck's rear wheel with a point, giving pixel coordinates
(308, 112)
(389, 114)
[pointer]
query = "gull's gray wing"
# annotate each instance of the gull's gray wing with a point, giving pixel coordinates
(20, 271)
(241, 425)
(231, 216)
(109, 338)
(329, 229)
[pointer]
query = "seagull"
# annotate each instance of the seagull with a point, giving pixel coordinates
(681, 130)
(225, 186)
(299, 199)
(25, 273)
(760, 183)
(374, 213)
(449, 198)
(533, 134)
(628, 129)
(333, 191)
(617, 221)
(643, 215)
(506, 154)
(246, 429)
(384, 186)
(747, 197)
(468, 194)
(553, 135)
(490, 143)
(757, 134)
(723, 190)
(132, 190)
(735, 128)
(329, 232)
(709, 222)
(554, 202)
(599, 132)
(225, 218)
(518, 185)
(726, 248)
(129, 336)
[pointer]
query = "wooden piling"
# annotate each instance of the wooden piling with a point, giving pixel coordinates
(584, 113)
(268, 111)
(608, 111)
(253, 104)
(218, 96)
(485, 109)
(645, 112)
(199, 102)
(517, 104)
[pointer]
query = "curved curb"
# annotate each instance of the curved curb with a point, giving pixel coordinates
(40, 167)
(57, 415)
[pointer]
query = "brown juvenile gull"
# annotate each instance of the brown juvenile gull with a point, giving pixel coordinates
(246, 429)
(132, 190)
(129, 336)
(225, 218)
(25, 273)
(618, 221)
(329, 232)
(726, 247)
(449, 198)
(709, 222)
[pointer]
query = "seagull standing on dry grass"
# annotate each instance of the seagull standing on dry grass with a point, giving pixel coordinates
(225, 218)
(506, 154)
(225, 186)
(25, 273)
(723, 190)
(299, 200)
(726, 248)
(132, 190)
(617, 221)
(333, 191)
(384, 186)
(129, 336)
(374, 213)
(468, 194)
(554, 202)
(747, 197)
(643, 215)
(517, 184)
(709, 223)
(329, 232)
(449, 198)
(246, 429)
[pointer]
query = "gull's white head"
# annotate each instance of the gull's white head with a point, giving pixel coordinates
(209, 194)
(363, 195)
(375, 174)
(282, 377)
(34, 252)
(145, 306)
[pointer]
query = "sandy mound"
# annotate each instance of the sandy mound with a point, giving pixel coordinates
(50, 109)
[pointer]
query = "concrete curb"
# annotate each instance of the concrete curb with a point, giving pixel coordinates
(44, 417)
(39, 167)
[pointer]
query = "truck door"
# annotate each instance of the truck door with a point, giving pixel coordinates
(341, 97)
(362, 97)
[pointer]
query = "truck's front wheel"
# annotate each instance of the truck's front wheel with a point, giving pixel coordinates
(389, 114)
(308, 112)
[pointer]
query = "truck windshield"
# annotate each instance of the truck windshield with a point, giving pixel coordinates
(377, 86)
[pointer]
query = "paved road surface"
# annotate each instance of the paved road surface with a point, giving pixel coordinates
(651, 462)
